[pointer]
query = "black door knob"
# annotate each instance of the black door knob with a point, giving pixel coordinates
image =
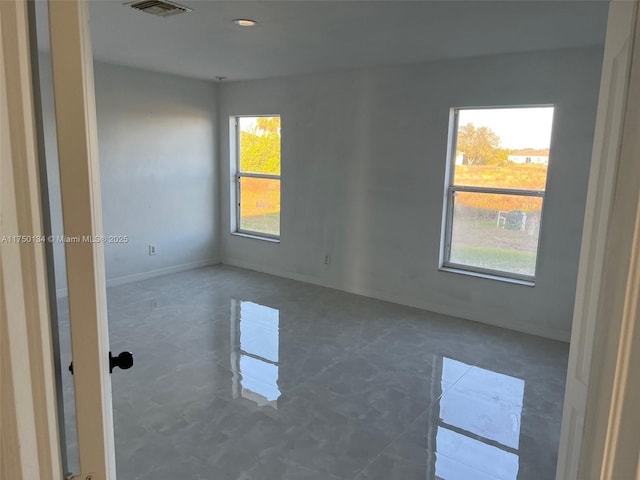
(123, 361)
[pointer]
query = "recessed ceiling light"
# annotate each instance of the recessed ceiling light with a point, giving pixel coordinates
(245, 22)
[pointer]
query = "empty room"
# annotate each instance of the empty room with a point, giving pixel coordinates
(325, 240)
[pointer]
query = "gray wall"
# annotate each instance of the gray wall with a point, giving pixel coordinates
(363, 165)
(158, 167)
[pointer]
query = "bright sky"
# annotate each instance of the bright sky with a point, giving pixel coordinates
(528, 127)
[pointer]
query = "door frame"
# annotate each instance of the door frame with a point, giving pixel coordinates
(28, 413)
(605, 252)
(29, 442)
(77, 141)
(611, 313)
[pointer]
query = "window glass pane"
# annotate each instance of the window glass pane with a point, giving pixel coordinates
(260, 205)
(521, 177)
(496, 232)
(259, 145)
(503, 147)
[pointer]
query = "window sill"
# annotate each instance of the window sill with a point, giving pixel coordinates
(488, 276)
(255, 237)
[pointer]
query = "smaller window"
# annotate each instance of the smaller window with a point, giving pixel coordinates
(257, 166)
(495, 190)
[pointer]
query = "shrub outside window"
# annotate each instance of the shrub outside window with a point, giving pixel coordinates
(257, 176)
(495, 190)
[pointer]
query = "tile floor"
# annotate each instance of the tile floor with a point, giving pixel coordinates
(244, 376)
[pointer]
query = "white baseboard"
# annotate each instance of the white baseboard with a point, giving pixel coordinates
(385, 296)
(136, 277)
(399, 299)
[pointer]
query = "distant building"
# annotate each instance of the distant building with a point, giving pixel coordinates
(530, 155)
(460, 158)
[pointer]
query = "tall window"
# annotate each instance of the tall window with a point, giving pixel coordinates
(495, 190)
(258, 176)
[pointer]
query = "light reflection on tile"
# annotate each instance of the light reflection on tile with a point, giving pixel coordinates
(460, 457)
(483, 402)
(364, 389)
(254, 352)
(479, 423)
(471, 432)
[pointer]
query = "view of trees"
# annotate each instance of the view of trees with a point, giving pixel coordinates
(492, 228)
(260, 146)
(480, 146)
(485, 164)
(260, 153)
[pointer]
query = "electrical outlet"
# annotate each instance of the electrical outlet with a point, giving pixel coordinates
(152, 249)
(327, 259)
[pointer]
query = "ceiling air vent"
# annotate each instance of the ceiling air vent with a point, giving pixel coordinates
(160, 8)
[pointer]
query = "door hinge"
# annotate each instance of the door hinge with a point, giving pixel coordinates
(71, 476)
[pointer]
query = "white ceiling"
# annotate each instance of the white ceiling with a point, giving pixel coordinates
(308, 36)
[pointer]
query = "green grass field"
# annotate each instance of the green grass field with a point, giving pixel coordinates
(502, 259)
(268, 223)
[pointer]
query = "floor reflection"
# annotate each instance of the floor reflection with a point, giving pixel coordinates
(255, 352)
(364, 390)
(478, 431)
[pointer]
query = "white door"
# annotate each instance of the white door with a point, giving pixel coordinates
(594, 255)
(72, 66)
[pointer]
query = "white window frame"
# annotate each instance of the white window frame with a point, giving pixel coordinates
(449, 202)
(238, 174)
